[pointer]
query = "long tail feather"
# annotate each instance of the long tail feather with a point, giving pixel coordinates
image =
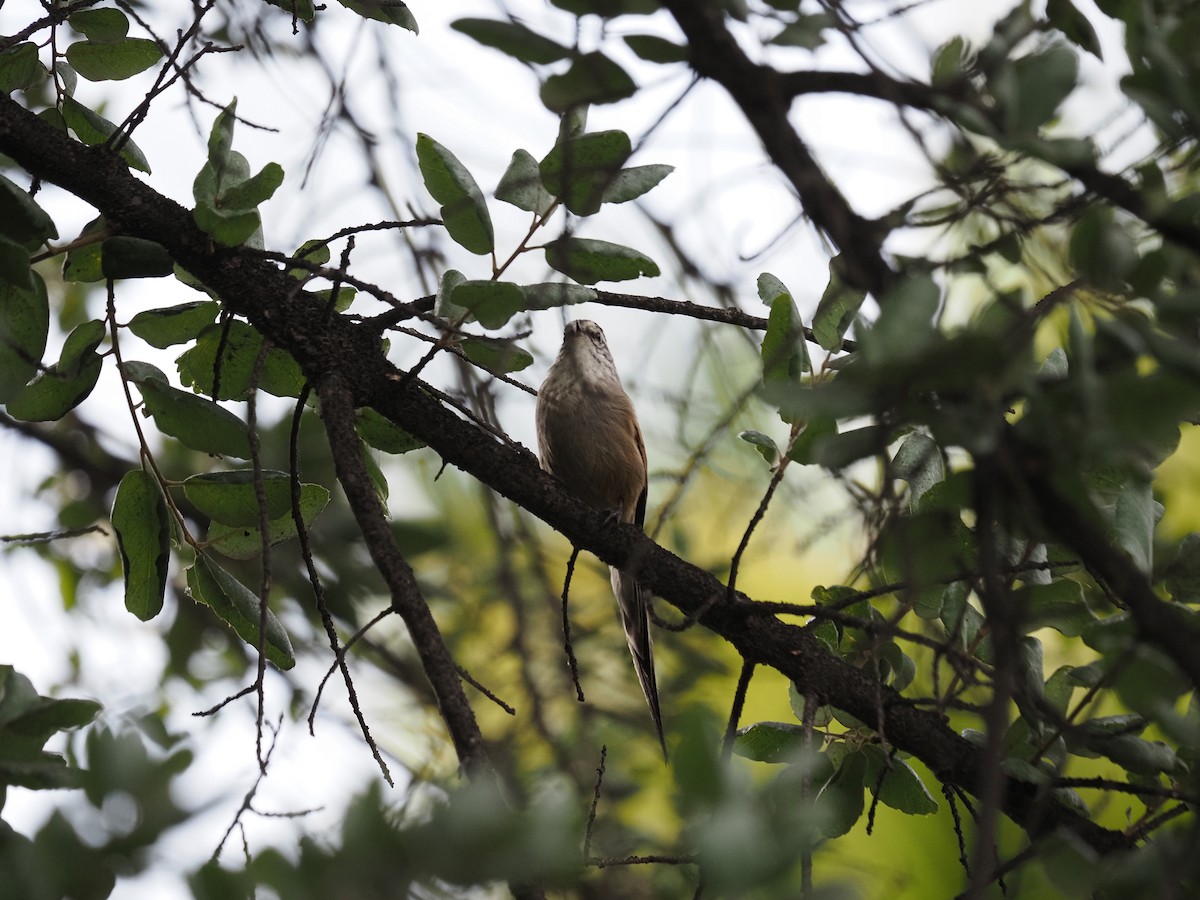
(635, 617)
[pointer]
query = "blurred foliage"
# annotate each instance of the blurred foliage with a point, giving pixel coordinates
(1037, 364)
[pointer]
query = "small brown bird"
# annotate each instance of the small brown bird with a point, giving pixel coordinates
(589, 438)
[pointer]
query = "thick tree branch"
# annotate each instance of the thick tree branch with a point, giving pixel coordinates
(765, 101)
(336, 346)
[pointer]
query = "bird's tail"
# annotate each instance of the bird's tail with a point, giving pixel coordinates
(635, 617)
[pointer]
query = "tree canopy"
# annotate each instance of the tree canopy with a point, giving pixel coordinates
(910, 309)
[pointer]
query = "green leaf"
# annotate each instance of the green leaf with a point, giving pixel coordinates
(580, 169)
(92, 128)
(497, 355)
(631, 183)
(143, 526)
(608, 9)
(83, 261)
(521, 185)
(24, 329)
(919, 462)
(593, 79)
(1066, 17)
(170, 325)
(113, 61)
(15, 267)
(553, 294)
(21, 219)
(815, 432)
(840, 803)
(130, 257)
(103, 26)
(492, 303)
(383, 434)
(836, 311)
(590, 261)
(1059, 605)
(1102, 250)
(805, 31)
(66, 384)
(303, 10)
(199, 424)
(902, 788)
(254, 190)
(1040, 82)
(512, 38)
(20, 68)
(245, 541)
(390, 12)
(236, 605)
(904, 328)
(464, 210)
(1134, 521)
(241, 345)
(770, 742)
(655, 49)
(784, 349)
(1182, 575)
(763, 444)
(442, 305)
(230, 497)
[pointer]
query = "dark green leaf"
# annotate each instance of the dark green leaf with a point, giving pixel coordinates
(1066, 17)
(770, 742)
(113, 61)
(383, 434)
(1040, 82)
(578, 170)
(235, 604)
(1102, 250)
(514, 39)
(805, 31)
(655, 49)
(304, 10)
(607, 8)
(836, 311)
(1134, 521)
(840, 803)
(593, 79)
(492, 303)
(83, 261)
(838, 450)
(245, 542)
(1059, 605)
(590, 261)
(172, 325)
(390, 12)
(233, 229)
(143, 526)
(902, 788)
(521, 185)
(1183, 573)
(66, 384)
(904, 328)
(230, 497)
(20, 68)
(21, 219)
(24, 328)
(197, 423)
(631, 183)
(15, 267)
(500, 356)
(464, 210)
(105, 25)
(814, 433)
(91, 128)
(130, 257)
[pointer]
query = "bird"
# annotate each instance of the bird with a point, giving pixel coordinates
(589, 438)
